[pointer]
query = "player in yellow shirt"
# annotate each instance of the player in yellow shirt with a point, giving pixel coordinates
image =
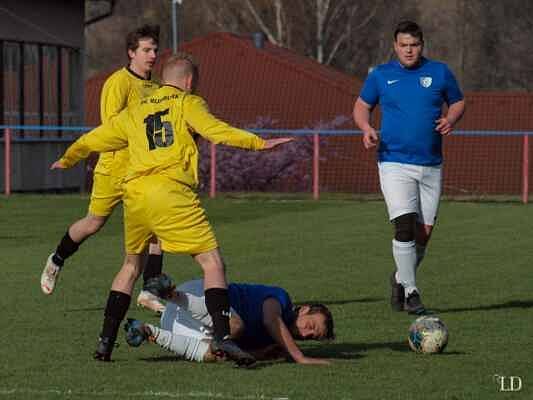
(159, 191)
(126, 86)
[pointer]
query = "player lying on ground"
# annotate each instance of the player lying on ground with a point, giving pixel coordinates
(160, 196)
(263, 321)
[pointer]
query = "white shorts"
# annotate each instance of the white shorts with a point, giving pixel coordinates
(189, 316)
(409, 188)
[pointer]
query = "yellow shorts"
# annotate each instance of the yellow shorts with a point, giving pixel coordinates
(155, 205)
(106, 194)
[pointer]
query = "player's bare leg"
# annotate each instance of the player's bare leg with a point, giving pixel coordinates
(69, 244)
(117, 305)
(217, 303)
(86, 227)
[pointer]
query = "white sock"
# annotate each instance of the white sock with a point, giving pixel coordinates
(420, 253)
(404, 254)
(190, 348)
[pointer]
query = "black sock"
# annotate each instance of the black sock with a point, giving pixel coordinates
(66, 248)
(217, 302)
(115, 311)
(153, 266)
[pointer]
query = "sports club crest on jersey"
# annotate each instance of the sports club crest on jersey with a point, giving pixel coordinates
(426, 81)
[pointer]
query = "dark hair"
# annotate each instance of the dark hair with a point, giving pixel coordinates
(318, 308)
(145, 31)
(410, 27)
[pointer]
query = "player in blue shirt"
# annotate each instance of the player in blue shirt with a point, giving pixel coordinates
(411, 92)
(263, 321)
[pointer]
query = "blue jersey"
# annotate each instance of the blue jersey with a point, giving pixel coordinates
(247, 300)
(411, 100)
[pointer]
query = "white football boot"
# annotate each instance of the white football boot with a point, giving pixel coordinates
(150, 301)
(49, 275)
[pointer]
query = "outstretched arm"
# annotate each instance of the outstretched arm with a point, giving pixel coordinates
(206, 124)
(106, 137)
(281, 334)
(271, 143)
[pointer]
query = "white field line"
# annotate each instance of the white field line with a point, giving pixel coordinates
(145, 394)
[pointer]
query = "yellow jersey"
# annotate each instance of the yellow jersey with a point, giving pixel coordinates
(121, 89)
(159, 133)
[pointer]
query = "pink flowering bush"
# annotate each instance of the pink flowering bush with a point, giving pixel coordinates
(287, 168)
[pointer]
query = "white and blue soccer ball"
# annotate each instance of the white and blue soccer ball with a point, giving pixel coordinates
(428, 334)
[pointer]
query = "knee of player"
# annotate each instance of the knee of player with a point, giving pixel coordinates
(405, 227)
(210, 262)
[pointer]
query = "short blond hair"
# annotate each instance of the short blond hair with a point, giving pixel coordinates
(179, 65)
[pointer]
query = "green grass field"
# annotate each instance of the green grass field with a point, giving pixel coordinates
(477, 276)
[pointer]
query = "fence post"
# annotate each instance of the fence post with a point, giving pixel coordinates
(7, 162)
(213, 180)
(525, 169)
(316, 162)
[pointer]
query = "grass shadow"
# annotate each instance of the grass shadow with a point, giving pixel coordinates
(506, 305)
(163, 359)
(350, 351)
(343, 302)
(258, 365)
(452, 353)
(84, 309)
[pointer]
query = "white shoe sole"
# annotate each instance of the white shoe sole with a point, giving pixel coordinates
(150, 301)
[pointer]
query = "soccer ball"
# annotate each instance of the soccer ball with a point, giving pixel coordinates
(428, 334)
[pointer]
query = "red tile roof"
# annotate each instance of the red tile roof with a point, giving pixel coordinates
(269, 87)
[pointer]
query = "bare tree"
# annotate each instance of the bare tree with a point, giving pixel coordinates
(330, 16)
(321, 27)
(512, 59)
(496, 45)
(279, 22)
(267, 16)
